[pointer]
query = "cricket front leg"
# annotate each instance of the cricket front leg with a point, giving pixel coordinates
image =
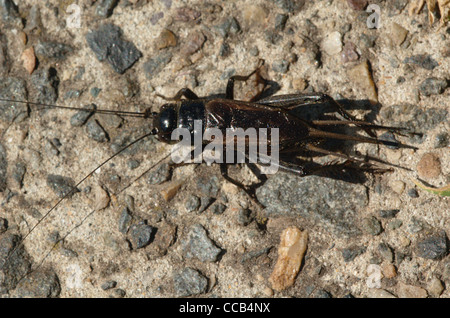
(186, 92)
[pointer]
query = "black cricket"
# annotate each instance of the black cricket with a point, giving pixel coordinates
(296, 135)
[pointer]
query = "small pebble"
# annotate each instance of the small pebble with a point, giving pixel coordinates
(292, 248)
(433, 86)
(29, 59)
(186, 14)
(218, 208)
(349, 53)
(156, 64)
(133, 164)
(141, 234)
(125, 220)
(388, 214)
(245, 217)
(371, 226)
(412, 193)
(160, 174)
(362, 76)
(357, 5)
(397, 34)
(108, 285)
(96, 132)
(198, 245)
(280, 21)
(171, 189)
(107, 44)
(166, 39)
(386, 252)
(322, 293)
(349, 254)
(432, 247)
(332, 44)
(394, 224)
(280, 66)
(118, 293)
(192, 203)
(82, 116)
(441, 141)
(54, 50)
(398, 186)
(62, 186)
(389, 270)
(268, 292)
(194, 43)
(101, 198)
(429, 166)
(18, 173)
(435, 287)
(410, 291)
(415, 226)
(105, 8)
(95, 91)
(254, 16)
(205, 202)
(423, 60)
(189, 282)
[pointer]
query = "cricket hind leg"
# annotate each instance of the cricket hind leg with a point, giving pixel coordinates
(293, 101)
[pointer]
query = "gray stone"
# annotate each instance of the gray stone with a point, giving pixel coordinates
(52, 50)
(82, 116)
(39, 284)
(189, 282)
(331, 204)
(18, 173)
(96, 132)
(432, 247)
(433, 86)
(107, 44)
(108, 285)
(46, 83)
(156, 64)
(62, 186)
(349, 254)
(14, 261)
(198, 245)
(13, 88)
(386, 252)
(422, 60)
(371, 226)
(141, 234)
(125, 221)
(105, 8)
(160, 174)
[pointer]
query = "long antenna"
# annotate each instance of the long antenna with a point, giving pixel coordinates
(72, 191)
(92, 212)
(100, 111)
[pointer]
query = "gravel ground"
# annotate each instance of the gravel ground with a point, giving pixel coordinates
(376, 236)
